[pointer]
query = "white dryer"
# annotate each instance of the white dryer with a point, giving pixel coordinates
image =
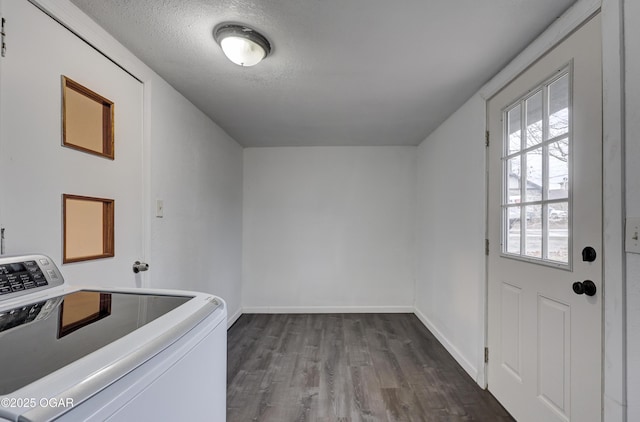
(81, 354)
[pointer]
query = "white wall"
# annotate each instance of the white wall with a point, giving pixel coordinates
(632, 72)
(196, 169)
(450, 220)
(328, 229)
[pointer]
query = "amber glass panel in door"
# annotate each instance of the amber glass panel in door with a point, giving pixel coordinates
(87, 120)
(88, 228)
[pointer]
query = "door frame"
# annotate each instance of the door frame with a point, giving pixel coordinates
(73, 19)
(614, 369)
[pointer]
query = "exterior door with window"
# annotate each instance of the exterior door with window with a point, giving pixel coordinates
(545, 234)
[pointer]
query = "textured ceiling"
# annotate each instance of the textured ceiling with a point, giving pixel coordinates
(348, 72)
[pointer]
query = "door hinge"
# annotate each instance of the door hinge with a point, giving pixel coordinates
(486, 355)
(1, 240)
(486, 139)
(486, 247)
(3, 47)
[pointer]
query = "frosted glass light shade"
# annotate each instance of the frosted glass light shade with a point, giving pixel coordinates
(242, 51)
(242, 45)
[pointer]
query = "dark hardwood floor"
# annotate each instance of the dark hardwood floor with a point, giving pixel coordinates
(347, 367)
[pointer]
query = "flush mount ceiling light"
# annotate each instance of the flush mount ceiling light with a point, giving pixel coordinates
(242, 45)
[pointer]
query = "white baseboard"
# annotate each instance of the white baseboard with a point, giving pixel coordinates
(453, 351)
(327, 309)
(231, 319)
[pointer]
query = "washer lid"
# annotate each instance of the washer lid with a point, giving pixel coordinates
(42, 337)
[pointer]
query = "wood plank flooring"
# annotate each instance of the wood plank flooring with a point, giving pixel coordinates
(347, 367)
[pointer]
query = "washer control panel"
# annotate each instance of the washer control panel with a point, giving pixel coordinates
(22, 274)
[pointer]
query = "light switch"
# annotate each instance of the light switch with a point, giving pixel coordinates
(159, 208)
(632, 235)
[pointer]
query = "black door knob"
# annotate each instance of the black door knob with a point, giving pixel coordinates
(578, 288)
(589, 254)
(586, 287)
(589, 287)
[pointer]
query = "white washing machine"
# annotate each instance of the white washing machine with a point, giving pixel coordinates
(80, 354)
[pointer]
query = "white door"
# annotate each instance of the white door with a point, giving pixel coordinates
(545, 201)
(35, 170)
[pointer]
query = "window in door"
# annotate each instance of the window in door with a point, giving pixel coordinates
(536, 164)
